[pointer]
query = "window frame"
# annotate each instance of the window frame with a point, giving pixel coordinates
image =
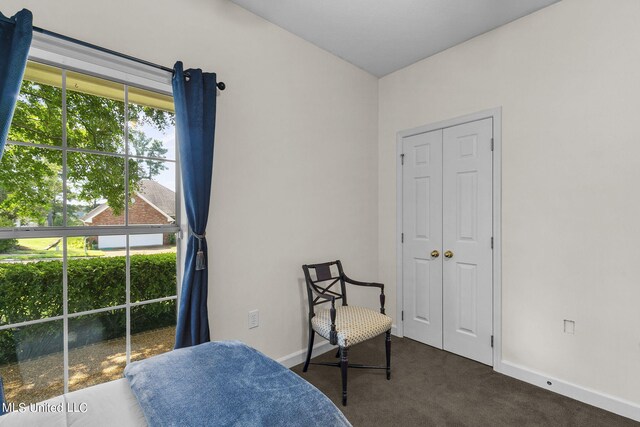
(68, 56)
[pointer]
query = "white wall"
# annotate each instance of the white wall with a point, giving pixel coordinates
(568, 80)
(295, 158)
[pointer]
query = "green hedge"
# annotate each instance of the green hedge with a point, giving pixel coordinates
(7, 245)
(33, 290)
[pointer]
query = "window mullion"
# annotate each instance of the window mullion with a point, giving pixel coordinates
(64, 148)
(65, 313)
(126, 155)
(87, 151)
(27, 233)
(65, 277)
(126, 223)
(128, 301)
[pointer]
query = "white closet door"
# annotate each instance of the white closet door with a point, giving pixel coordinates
(422, 228)
(467, 232)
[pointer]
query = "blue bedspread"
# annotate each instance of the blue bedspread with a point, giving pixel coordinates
(226, 383)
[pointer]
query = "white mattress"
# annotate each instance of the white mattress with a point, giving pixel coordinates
(108, 404)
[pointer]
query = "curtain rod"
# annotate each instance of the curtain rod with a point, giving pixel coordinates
(220, 85)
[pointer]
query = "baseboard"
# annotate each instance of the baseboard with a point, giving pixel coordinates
(297, 357)
(586, 395)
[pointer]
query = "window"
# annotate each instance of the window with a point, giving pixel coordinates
(88, 222)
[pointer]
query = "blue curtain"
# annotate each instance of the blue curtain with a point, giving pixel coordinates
(2, 401)
(194, 95)
(15, 40)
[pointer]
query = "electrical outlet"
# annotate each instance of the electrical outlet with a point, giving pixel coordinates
(254, 319)
(569, 327)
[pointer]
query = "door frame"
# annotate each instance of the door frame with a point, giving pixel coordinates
(496, 115)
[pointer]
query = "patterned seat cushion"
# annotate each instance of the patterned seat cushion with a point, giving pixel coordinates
(354, 324)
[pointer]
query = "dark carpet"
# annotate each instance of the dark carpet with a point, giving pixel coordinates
(431, 387)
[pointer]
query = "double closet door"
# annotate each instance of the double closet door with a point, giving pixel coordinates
(447, 244)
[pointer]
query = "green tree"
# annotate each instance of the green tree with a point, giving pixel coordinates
(142, 145)
(30, 177)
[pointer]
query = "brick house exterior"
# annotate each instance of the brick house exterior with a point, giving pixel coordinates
(153, 204)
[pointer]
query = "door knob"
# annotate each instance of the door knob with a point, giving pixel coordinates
(435, 254)
(448, 254)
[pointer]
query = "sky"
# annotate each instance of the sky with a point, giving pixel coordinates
(166, 177)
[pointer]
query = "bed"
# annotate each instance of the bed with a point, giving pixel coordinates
(219, 383)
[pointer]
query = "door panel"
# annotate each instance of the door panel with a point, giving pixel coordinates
(422, 228)
(467, 230)
(467, 298)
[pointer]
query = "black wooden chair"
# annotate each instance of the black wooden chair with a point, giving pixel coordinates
(344, 325)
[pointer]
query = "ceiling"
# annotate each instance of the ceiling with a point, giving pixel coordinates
(382, 36)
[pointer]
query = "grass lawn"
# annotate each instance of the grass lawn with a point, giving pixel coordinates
(37, 249)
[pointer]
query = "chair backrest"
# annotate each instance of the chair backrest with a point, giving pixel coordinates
(325, 278)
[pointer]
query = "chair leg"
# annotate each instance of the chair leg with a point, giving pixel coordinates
(312, 334)
(344, 365)
(338, 353)
(387, 345)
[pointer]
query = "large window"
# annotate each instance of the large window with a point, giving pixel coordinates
(88, 223)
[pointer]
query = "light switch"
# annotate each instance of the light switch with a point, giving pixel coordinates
(254, 319)
(569, 327)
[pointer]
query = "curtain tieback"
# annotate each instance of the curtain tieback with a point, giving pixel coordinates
(200, 260)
